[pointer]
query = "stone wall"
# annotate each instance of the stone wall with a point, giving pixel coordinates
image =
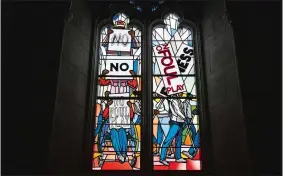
(67, 145)
(227, 125)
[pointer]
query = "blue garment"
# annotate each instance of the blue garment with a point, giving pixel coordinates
(159, 134)
(176, 130)
(135, 66)
(99, 121)
(158, 140)
(133, 134)
(195, 134)
(163, 128)
(119, 140)
(137, 119)
(154, 139)
(103, 134)
(195, 138)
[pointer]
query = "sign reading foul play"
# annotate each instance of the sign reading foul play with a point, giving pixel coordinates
(169, 66)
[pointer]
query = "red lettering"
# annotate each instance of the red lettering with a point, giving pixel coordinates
(177, 88)
(169, 79)
(167, 55)
(168, 89)
(180, 87)
(164, 53)
(165, 46)
(170, 67)
(170, 61)
(158, 48)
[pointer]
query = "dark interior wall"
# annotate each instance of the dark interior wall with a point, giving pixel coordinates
(32, 36)
(227, 125)
(68, 136)
(31, 46)
(257, 28)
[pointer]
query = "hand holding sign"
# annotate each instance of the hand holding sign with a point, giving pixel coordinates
(102, 81)
(133, 83)
(129, 103)
(155, 112)
(109, 102)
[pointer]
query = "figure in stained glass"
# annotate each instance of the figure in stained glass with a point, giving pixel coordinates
(175, 137)
(118, 109)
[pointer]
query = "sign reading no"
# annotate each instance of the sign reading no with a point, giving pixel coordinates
(119, 65)
(119, 40)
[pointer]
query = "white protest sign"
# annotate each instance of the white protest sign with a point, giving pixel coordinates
(119, 65)
(183, 52)
(185, 58)
(119, 114)
(119, 40)
(168, 65)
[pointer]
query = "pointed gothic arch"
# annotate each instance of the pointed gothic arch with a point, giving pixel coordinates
(146, 95)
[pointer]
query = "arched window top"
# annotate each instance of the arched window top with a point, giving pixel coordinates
(172, 20)
(118, 109)
(175, 100)
(127, 89)
(121, 20)
(172, 29)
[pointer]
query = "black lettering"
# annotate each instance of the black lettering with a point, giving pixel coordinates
(119, 39)
(191, 52)
(182, 66)
(188, 51)
(124, 69)
(125, 37)
(115, 39)
(185, 57)
(113, 66)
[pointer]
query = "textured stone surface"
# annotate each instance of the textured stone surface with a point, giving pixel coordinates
(222, 53)
(216, 88)
(75, 36)
(228, 131)
(72, 84)
(67, 114)
(66, 154)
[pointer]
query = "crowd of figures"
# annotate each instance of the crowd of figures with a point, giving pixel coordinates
(173, 123)
(117, 111)
(118, 122)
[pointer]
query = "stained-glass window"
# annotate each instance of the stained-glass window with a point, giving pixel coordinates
(176, 136)
(118, 106)
(117, 132)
